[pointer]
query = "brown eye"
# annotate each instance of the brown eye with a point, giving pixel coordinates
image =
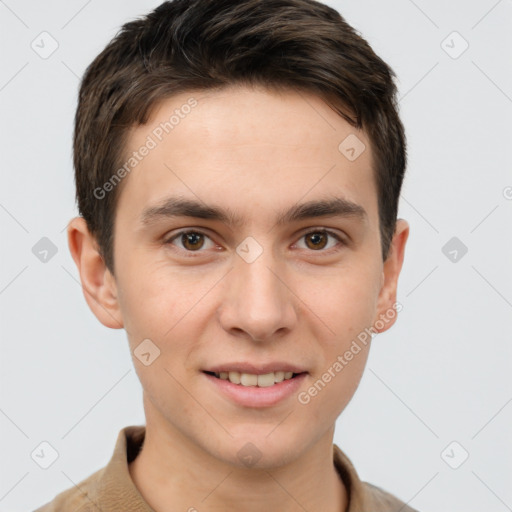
(318, 240)
(192, 240)
(189, 241)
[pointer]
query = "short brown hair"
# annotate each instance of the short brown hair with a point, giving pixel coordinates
(208, 44)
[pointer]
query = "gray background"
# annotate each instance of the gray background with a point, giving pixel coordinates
(440, 375)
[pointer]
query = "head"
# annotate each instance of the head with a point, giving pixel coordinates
(238, 170)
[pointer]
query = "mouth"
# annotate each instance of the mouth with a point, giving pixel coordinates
(256, 390)
(255, 380)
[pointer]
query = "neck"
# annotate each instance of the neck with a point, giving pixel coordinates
(172, 471)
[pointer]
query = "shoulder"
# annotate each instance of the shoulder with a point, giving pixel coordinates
(109, 488)
(384, 501)
(363, 496)
(76, 498)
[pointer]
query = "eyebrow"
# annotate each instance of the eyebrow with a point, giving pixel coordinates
(181, 207)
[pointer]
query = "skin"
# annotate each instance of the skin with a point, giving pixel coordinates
(256, 152)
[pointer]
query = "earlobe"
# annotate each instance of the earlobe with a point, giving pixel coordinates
(98, 284)
(386, 307)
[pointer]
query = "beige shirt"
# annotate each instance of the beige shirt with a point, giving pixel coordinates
(111, 488)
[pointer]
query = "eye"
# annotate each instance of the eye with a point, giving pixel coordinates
(191, 241)
(317, 240)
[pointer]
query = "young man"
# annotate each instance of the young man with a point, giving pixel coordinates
(238, 171)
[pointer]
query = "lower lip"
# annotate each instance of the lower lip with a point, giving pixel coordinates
(254, 396)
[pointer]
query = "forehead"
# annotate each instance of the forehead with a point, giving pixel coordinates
(246, 148)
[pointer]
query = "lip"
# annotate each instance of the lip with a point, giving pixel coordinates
(259, 369)
(254, 396)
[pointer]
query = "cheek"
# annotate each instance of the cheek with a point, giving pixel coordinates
(346, 304)
(332, 388)
(141, 307)
(347, 380)
(150, 295)
(344, 300)
(167, 307)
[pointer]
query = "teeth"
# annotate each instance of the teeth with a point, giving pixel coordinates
(234, 377)
(248, 379)
(266, 380)
(279, 376)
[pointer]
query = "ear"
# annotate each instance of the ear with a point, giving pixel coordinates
(98, 284)
(386, 306)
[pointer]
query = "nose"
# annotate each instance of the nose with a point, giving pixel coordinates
(258, 303)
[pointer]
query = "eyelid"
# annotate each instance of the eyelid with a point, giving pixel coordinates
(307, 231)
(319, 229)
(169, 240)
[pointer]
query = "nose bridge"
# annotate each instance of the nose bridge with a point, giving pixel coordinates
(259, 280)
(257, 302)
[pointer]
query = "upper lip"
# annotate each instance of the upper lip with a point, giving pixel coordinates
(256, 369)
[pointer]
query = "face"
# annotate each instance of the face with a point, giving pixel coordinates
(251, 278)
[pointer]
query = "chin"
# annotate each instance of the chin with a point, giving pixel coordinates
(261, 448)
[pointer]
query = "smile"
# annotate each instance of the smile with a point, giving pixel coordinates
(256, 390)
(250, 379)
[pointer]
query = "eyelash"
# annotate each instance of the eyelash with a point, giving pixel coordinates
(199, 232)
